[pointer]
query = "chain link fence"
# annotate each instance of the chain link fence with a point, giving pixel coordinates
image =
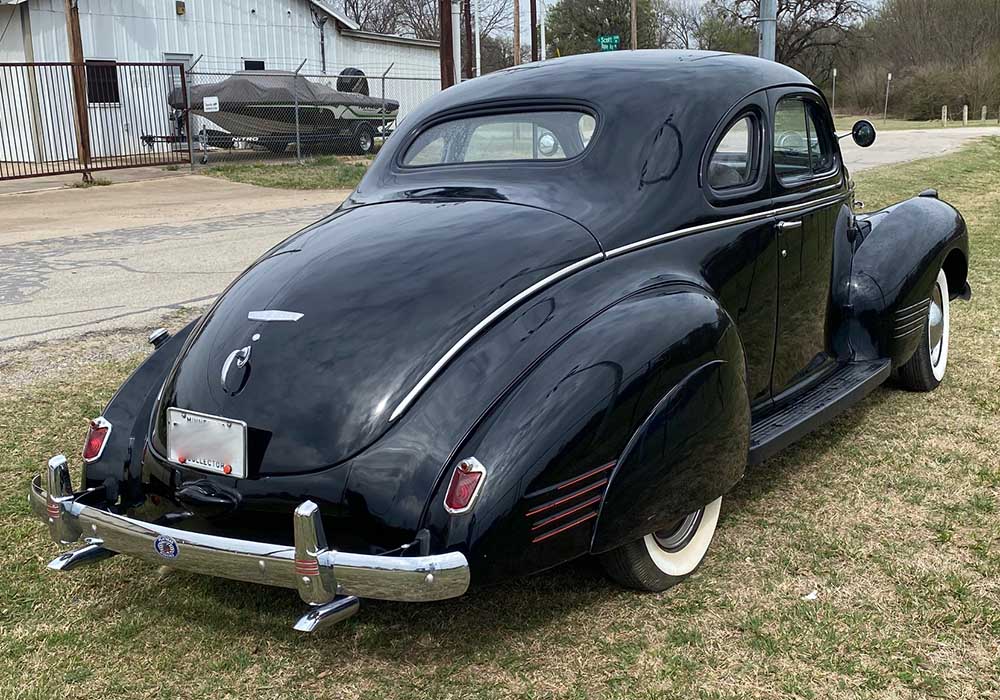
(293, 114)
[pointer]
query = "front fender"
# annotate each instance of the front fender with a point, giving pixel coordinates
(551, 443)
(894, 268)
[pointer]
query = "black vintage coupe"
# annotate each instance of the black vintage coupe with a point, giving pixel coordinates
(566, 307)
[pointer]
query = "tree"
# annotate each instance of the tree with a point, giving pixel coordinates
(809, 31)
(574, 25)
(380, 16)
(678, 23)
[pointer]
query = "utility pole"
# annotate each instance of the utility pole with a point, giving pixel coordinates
(456, 39)
(767, 26)
(635, 25)
(534, 29)
(467, 67)
(543, 30)
(79, 87)
(446, 45)
(479, 53)
(517, 32)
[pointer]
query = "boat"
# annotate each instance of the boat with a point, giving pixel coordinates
(259, 108)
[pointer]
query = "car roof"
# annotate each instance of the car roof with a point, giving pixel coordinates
(656, 109)
(601, 78)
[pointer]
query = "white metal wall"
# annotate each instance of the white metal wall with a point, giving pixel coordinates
(15, 120)
(224, 32)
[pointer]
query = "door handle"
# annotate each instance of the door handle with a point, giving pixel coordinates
(788, 225)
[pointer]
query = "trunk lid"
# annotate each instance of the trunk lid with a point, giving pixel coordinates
(378, 294)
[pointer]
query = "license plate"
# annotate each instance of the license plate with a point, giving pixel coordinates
(206, 442)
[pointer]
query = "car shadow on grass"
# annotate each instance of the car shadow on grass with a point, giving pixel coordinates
(483, 622)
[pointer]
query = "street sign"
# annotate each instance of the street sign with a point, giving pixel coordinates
(609, 42)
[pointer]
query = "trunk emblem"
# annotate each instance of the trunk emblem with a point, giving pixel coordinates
(240, 358)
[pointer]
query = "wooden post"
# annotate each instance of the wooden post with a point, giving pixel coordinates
(447, 54)
(79, 75)
(635, 25)
(944, 115)
(517, 32)
(534, 29)
(965, 115)
(468, 68)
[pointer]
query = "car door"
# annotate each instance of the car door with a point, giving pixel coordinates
(740, 258)
(808, 187)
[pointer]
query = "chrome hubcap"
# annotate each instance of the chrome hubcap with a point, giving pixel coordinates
(675, 538)
(935, 325)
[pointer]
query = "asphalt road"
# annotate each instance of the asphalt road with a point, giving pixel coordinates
(124, 256)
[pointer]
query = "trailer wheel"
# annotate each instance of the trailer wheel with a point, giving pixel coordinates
(364, 140)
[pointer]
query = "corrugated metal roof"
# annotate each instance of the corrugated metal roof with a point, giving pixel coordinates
(336, 14)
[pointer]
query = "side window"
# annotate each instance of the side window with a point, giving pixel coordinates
(820, 146)
(733, 163)
(801, 149)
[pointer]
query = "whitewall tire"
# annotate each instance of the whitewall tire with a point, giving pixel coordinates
(664, 558)
(925, 369)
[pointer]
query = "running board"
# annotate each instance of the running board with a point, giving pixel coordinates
(835, 394)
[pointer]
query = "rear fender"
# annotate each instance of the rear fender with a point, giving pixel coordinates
(128, 412)
(551, 444)
(894, 269)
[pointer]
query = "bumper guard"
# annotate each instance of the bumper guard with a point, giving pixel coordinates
(326, 579)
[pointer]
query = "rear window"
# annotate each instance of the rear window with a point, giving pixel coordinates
(527, 136)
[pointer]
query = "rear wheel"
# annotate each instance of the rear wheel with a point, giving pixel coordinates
(925, 369)
(666, 557)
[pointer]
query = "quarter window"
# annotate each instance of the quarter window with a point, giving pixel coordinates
(802, 149)
(732, 163)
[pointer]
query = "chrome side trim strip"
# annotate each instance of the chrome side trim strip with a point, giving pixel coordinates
(455, 349)
(679, 233)
(498, 313)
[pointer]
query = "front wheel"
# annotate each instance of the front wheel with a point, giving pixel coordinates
(925, 369)
(664, 558)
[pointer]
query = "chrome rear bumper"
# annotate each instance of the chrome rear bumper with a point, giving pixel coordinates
(322, 576)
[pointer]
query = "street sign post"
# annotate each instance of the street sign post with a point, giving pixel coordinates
(609, 42)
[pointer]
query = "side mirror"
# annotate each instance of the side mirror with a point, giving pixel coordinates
(863, 133)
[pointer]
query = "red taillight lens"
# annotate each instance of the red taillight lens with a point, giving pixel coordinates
(465, 483)
(96, 437)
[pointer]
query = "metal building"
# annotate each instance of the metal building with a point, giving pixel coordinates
(222, 36)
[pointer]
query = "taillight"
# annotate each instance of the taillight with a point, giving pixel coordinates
(97, 438)
(466, 482)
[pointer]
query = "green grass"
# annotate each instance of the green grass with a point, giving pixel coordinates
(320, 173)
(889, 512)
(845, 122)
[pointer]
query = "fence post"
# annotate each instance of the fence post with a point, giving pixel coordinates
(295, 92)
(944, 115)
(187, 74)
(965, 115)
(384, 73)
